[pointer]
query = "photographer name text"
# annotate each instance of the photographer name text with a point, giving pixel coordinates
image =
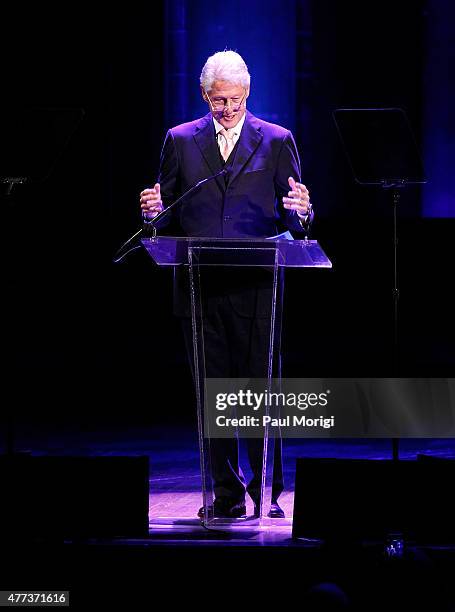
(268, 421)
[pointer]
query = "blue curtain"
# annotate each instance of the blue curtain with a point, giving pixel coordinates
(263, 32)
(439, 110)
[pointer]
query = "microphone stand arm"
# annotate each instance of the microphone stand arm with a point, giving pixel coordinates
(151, 223)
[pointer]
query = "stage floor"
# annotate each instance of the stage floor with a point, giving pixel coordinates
(181, 558)
(175, 484)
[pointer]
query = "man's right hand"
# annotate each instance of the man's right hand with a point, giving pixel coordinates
(151, 203)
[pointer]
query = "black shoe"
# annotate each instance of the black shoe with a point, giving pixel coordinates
(275, 511)
(224, 508)
(201, 512)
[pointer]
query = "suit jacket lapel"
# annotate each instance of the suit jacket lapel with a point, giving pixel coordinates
(204, 135)
(249, 140)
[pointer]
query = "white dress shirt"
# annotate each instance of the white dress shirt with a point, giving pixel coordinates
(234, 130)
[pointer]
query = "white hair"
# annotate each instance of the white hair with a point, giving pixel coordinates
(225, 66)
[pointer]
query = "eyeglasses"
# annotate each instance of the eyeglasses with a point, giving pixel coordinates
(219, 104)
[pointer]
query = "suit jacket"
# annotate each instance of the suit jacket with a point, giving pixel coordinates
(246, 203)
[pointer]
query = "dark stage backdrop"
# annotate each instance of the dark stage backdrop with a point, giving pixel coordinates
(90, 342)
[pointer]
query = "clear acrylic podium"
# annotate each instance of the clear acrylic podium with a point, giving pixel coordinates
(271, 254)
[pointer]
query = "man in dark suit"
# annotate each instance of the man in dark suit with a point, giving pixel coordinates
(259, 197)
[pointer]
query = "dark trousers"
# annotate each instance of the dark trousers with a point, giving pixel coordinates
(236, 346)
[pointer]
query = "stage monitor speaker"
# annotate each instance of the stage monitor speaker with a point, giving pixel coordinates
(436, 501)
(362, 499)
(73, 497)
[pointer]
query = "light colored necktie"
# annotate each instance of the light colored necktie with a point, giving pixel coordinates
(227, 143)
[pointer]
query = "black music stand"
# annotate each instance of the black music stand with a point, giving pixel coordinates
(31, 142)
(382, 151)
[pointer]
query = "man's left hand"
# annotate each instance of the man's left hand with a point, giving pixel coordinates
(299, 198)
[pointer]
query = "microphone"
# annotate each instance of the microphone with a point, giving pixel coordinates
(150, 222)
